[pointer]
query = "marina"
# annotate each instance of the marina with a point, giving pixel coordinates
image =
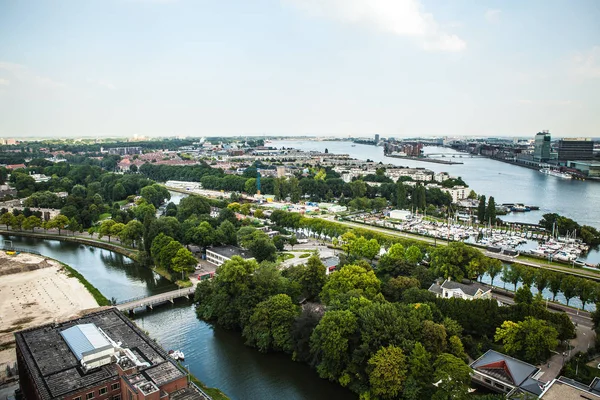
(511, 240)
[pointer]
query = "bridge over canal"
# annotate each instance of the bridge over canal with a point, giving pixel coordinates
(151, 301)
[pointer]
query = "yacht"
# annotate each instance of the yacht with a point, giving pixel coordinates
(556, 173)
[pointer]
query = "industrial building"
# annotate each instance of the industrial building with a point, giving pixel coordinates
(571, 149)
(100, 356)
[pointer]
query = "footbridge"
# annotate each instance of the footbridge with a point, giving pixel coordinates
(154, 300)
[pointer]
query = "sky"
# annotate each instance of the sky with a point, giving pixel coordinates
(92, 68)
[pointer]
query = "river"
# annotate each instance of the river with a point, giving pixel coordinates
(217, 357)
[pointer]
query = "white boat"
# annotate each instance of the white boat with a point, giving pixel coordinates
(177, 355)
(556, 173)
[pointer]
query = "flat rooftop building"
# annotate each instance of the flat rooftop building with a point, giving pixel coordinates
(218, 255)
(100, 356)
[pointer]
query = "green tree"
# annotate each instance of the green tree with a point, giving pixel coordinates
(456, 348)
(59, 222)
(295, 191)
(330, 342)
(395, 287)
(586, 291)
(554, 283)
(32, 222)
(279, 242)
(351, 278)
(7, 219)
(183, 261)
(226, 233)
(400, 195)
(568, 287)
(106, 228)
(116, 229)
(490, 213)
(452, 377)
(191, 205)
(541, 279)
(313, 277)
(269, 327)
(17, 221)
(159, 242)
(481, 209)
(421, 369)
(167, 254)
(74, 225)
(132, 233)
(387, 372)
(292, 241)
(413, 255)
(494, 267)
(530, 340)
(434, 337)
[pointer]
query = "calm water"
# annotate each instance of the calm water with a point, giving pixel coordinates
(508, 183)
(218, 358)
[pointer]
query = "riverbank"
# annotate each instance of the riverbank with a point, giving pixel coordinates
(424, 159)
(42, 292)
(128, 252)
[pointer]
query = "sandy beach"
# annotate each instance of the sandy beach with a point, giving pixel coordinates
(34, 297)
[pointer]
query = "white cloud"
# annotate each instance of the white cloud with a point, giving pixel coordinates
(398, 17)
(586, 65)
(25, 75)
(4, 82)
(104, 84)
(493, 16)
(524, 101)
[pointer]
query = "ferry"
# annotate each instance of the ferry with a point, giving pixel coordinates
(556, 173)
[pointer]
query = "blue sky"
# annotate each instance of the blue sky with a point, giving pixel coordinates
(295, 67)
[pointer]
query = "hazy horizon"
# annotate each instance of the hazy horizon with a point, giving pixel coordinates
(398, 68)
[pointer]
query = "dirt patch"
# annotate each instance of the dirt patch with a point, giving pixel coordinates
(35, 298)
(14, 264)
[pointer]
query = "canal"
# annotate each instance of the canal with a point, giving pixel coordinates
(217, 357)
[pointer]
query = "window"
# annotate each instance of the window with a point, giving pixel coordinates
(89, 396)
(77, 398)
(488, 381)
(102, 391)
(116, 397)
(115, 386)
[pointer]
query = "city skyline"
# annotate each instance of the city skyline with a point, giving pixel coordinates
(299, 68)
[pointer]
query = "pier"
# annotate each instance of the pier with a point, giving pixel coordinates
(151, 301)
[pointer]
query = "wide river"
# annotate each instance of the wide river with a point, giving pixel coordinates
(507, 183)
(217, 357)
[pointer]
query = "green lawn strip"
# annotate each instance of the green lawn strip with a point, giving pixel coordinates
(214, 393)
(184, 284)
(284, 256)
(163, 272)
(305, 255)
(99, 297)
(104, 216)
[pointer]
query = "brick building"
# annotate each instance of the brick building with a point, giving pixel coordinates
(100, 356)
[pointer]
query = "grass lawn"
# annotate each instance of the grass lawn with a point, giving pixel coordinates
(284, 256)
(104, 216)
(184, 284)
(305, 255)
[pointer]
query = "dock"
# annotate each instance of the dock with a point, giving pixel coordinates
(154, 300)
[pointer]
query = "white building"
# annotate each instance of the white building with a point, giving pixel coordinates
(457, 193)
(401, 215)
(472, 291)
(218, 255)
